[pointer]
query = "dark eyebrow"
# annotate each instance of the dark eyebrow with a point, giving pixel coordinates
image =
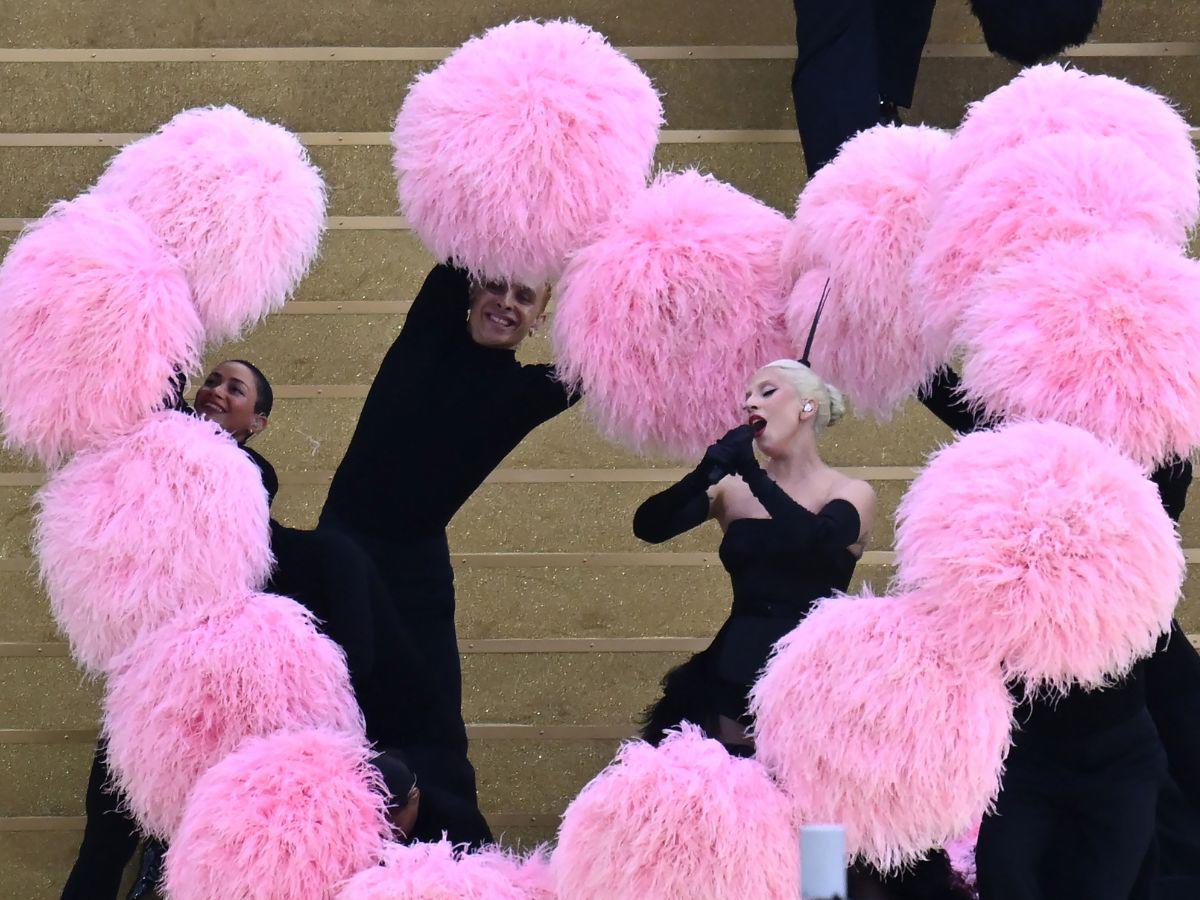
(238, 380)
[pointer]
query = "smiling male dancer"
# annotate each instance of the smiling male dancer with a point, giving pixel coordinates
(449, 402)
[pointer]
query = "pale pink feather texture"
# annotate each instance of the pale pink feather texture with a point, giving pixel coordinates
(683, 820)
(664, 318)
(961, 853)
(860, 222)
(1061, 187)
(168, 518)
(286, 817)
(236, 199)
(86, 291)
(1103, 334)
(520, 144)
(1055, 99)
(869, 719)
(1039, 547)
(440, 871)
(187, 694)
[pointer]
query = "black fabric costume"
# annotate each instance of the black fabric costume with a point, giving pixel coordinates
(851, 55)
(778, 567)
(441, 414)
(1086, 788)
(110, 838)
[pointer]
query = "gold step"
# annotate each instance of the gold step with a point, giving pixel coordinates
(274, 23)
(364, 96)
(361, 180)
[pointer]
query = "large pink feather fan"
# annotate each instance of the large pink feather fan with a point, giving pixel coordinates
(682, 820)
(441, 871)
(1054, 99)
(186, 695)
(860, 223)
(1103, 334)
(169, 518)
(236, 199)
(1061, 187)
(1040, 547)
(667, 315)
(95, 318)
(532, 873)
(512, 151)
(868, 719)
(286, 817)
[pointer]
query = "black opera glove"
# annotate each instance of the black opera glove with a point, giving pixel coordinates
(733, 454)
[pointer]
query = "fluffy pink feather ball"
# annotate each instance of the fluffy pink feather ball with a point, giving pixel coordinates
(1055, 99)
(286, 817)
(86, 291)
(187, 694)
(860, 223)
(515, 149)
(1103, 334)
(442, 872)
(1038, 546)
(682, 820)
(868, 719)
(1062, 187)
(664, 318)
(236, 199)
(168, 518)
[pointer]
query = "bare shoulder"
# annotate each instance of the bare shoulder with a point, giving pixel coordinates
(861, 495)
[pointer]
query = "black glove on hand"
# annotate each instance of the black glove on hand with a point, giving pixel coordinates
(731, 455)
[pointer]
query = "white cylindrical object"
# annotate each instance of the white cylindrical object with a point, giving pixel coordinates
(823, 862)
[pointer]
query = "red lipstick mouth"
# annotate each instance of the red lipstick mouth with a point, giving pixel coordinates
(758, 423)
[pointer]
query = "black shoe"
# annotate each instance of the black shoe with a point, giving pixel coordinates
(889, 113)
(149, 872)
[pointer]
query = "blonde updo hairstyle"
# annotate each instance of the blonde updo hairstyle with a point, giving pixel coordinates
(831, 406)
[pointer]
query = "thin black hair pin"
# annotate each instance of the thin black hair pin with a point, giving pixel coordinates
(812, 331)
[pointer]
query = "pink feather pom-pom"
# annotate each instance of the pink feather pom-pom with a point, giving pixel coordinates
(868, 719)
(860, 223)
(286, 817)
(236, 199)
(1054, 99)
(520, 144)
(667, 315)
(684, 819)
(440, 871)
(1038, 546)
(87, 290)
(1102, 334)
(531, 873)
(186, 695)
(170, 518)
(1062, 187)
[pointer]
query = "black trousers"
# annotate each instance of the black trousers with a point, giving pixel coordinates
(1173, 698)
(412, 699)
(392, 610)
(1076, 817)
(850, 55)
(110, 838)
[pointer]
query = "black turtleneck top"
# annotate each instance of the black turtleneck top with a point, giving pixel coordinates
(441, 414)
